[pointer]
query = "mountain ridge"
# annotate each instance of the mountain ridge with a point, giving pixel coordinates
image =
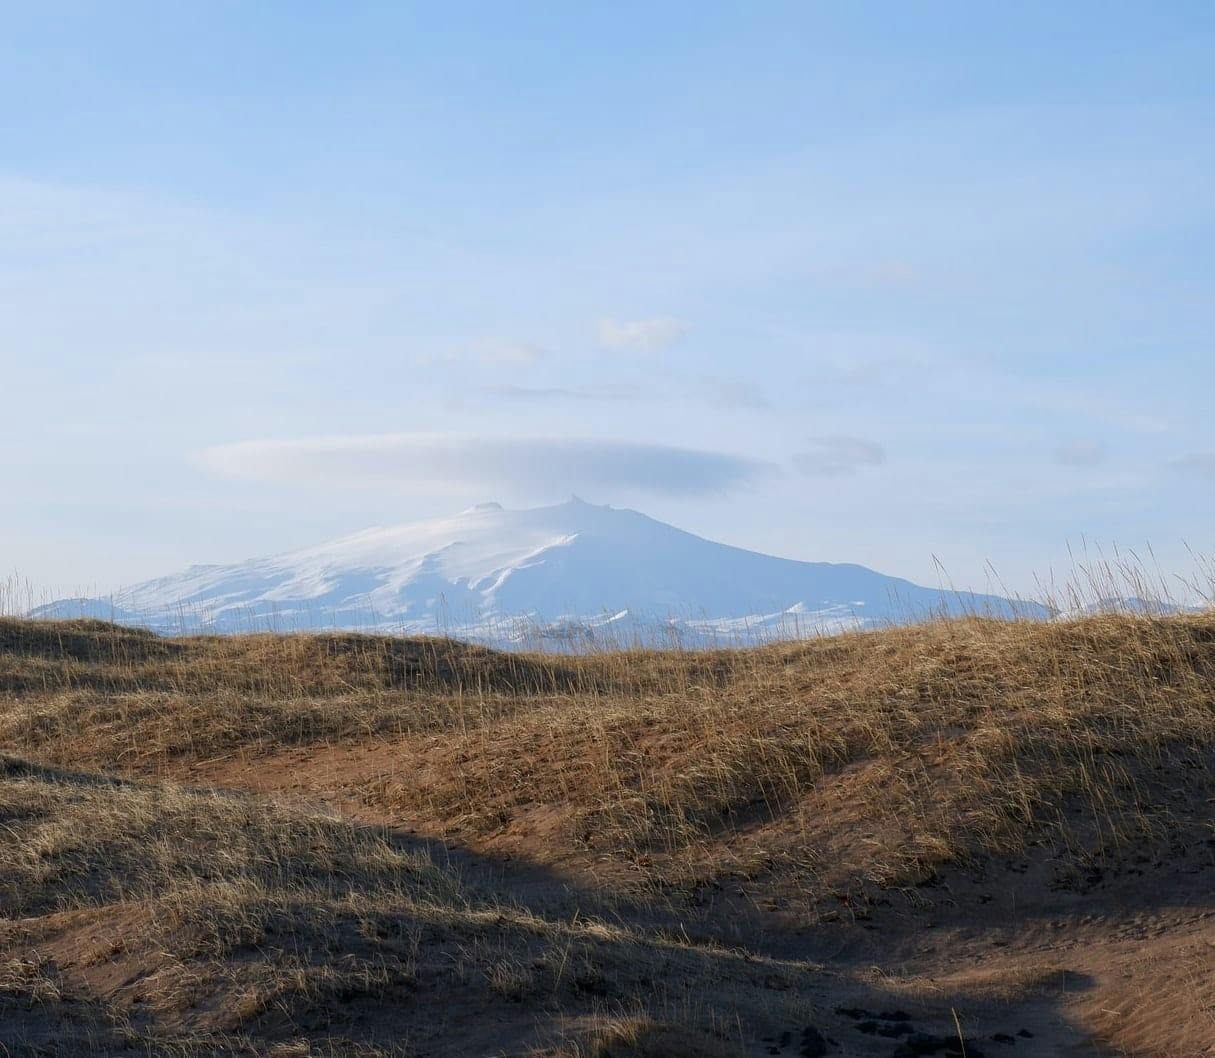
(558, 572)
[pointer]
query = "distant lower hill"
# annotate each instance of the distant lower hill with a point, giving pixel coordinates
(570, 574)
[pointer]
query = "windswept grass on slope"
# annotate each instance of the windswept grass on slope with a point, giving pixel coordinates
(862, 758)
(858, 758)
(807, 775)
(180, 922)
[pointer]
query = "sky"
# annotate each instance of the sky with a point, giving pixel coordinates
(928, 287)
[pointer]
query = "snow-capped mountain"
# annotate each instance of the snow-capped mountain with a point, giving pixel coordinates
(568, 573)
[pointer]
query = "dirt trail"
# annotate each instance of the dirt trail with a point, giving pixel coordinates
(1026, 965)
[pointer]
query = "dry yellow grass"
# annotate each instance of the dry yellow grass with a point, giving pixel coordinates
(221, 924)
(659, 800)
(934, 742)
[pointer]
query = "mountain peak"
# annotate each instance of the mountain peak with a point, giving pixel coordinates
(577, 502)
(505, 575)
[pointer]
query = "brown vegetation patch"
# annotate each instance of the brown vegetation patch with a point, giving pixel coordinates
(209, 845)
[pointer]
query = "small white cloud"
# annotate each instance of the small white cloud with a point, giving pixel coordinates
(462, 463)
(1081, 453)
(834, 456)
(640, 336)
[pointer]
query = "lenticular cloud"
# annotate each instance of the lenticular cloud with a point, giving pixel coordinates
(463, 462)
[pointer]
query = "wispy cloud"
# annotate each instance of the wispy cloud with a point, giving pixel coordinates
(1200, 464)
(1081, 453)
(640, 336)
(506, 351)
(461, 463)
(862, 373)
(834, 456)
(490, 352)
(603, 392)
(734, 394)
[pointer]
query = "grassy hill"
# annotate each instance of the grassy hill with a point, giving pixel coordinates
(977, 837)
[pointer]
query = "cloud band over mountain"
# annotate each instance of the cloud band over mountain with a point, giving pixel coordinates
(460, 462)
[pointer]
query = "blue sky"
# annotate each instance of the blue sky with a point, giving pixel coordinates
(888, 283)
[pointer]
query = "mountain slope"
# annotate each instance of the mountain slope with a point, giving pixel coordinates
(499, 575)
